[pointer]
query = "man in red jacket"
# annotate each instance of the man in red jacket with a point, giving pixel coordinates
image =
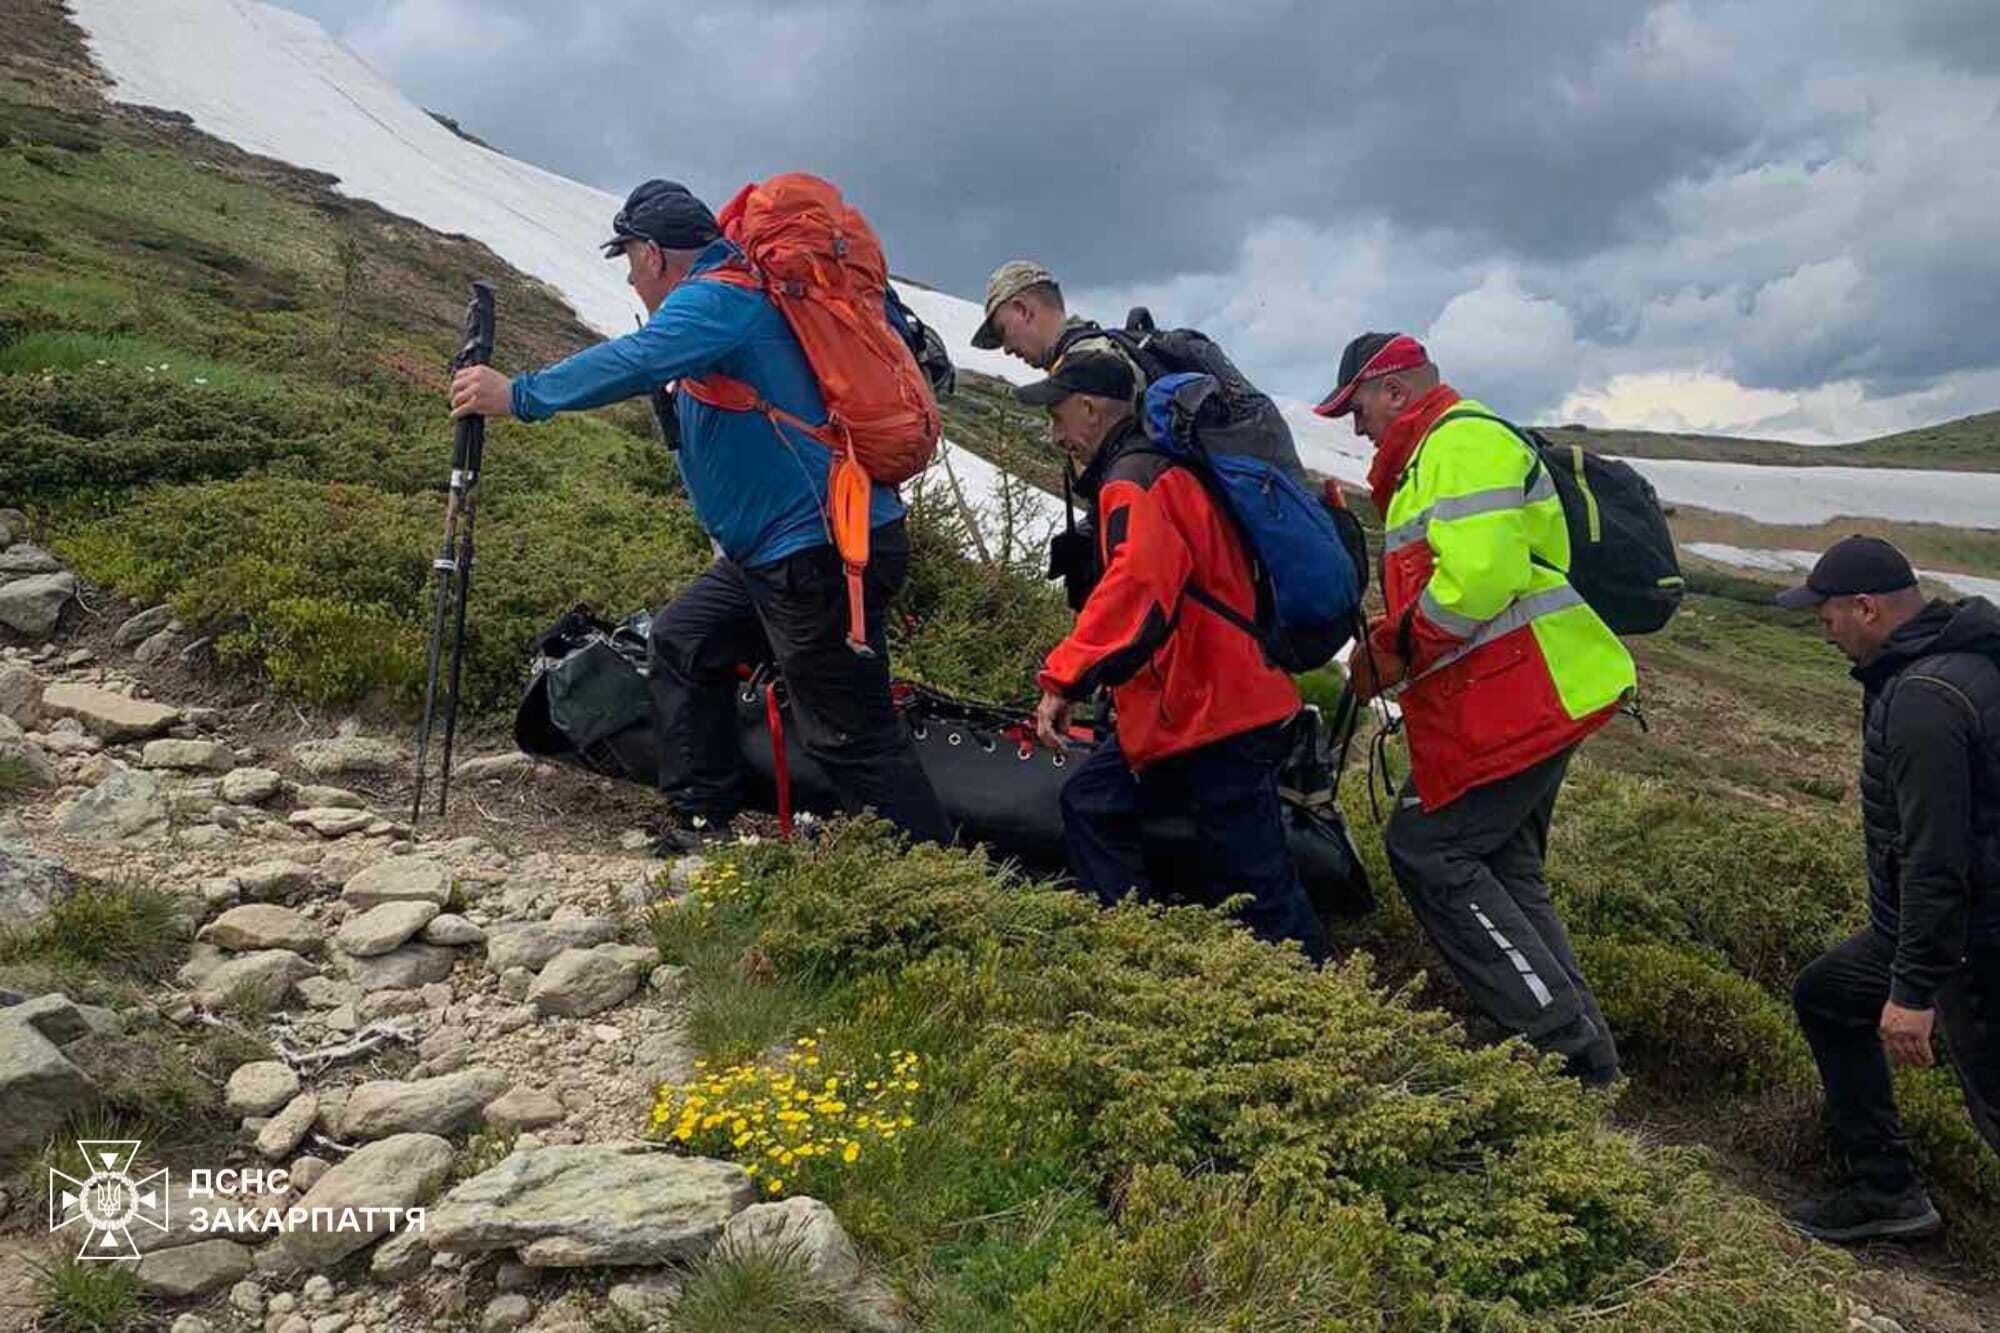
(1200, 714)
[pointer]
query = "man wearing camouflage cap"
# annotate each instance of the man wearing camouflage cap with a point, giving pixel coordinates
(1026, 318)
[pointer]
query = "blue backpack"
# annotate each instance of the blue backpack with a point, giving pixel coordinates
(1308, 589)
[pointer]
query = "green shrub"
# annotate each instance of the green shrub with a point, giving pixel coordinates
(1202, 1252)
(133, 931)
(1071, 1051)
(1693, 1022)
(79, 1296)
(1657, 861)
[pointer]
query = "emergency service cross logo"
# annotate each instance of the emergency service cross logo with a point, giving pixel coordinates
(108, 1201)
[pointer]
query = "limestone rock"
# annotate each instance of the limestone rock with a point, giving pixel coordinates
(494, 766)
(128, 808)
(450, 929)
(30, 884)
(580, 982)
(573, 1205)
(54, 1016)
(404, 968)
(398, 879)
(288, 1128)
(395, 1172)
(383, 927)
(523, 1108)
(25, 558)
(29, 763)
(194, 1270)
(251, 786)
(331, 798)
(647, 1299)
(264, 926)
(39, 1088)
(20, 695)
(505, 1313)
(329, 822)
(265, 978)
(531, 944)
(143, 625)
(158, 647)
(33, 605)
(401, 1257)
(349, 754)
(273, 881)
(202, 756)
(108, 716)
(803, 1229)
(442, 1105)
(260, 1087)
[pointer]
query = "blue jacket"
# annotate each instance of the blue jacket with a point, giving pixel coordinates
(760, 500)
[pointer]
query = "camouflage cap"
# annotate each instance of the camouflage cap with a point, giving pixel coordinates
(1008, 281)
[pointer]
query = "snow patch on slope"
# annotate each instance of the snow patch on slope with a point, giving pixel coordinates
(1798, 562)
(273, 82)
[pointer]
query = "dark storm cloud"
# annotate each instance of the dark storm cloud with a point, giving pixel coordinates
(1788, 193)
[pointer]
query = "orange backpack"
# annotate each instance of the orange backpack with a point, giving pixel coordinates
(821, 264)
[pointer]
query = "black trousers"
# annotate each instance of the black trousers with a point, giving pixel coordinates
(1839, 998)
(793, 612)
(1230, 789)
(1473, 874)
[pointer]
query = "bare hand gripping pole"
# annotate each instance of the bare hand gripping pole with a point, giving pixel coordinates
(454, 565)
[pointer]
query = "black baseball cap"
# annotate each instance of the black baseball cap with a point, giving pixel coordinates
(665, 213)
(1852, 565)
(1099, 374)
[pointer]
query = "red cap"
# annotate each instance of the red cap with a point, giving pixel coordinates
(1368, 357)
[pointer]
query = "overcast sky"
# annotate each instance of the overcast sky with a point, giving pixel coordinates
(1777, 218)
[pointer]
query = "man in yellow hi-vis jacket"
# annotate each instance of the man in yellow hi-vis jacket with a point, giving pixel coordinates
(1504, 670)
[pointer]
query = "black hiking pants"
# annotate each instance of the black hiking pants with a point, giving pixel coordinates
(1229, 788)
(1839, 998)
(1472, 872)
(792, 612)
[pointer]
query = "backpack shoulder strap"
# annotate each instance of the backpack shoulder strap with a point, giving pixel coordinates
(1231, 520)
(1528, 441)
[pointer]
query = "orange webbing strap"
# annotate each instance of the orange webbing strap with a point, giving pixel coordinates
(849, 488)
(848, 491)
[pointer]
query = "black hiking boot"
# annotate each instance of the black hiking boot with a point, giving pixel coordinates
(688, 835)
(1859, 1211)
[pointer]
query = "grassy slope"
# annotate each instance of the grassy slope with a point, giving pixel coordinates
(1699, 864)
(1968, 444)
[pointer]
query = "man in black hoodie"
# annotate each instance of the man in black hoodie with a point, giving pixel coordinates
(1930, 957)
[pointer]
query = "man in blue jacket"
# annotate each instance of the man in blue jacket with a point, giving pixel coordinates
(776, 590)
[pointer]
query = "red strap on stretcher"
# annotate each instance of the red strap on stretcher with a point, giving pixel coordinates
(780, 766)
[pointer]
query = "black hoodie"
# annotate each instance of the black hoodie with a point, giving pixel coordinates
(1930, 791)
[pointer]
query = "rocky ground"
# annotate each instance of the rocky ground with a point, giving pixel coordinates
(472, 1021)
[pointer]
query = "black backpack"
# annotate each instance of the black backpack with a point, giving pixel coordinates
(1621, 551)
(925, 345)
(1254, 426)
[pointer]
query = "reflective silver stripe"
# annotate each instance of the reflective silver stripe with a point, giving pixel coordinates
(1492, 501)
(1524, 611)
(1526, 969)
(1396, 538)
(1478, 502)
(1463, 627)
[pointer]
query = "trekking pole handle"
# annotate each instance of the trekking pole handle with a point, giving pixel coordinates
(468, 441)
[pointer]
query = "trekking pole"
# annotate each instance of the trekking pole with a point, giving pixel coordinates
(454, 565)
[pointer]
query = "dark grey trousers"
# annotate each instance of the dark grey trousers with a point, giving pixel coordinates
(1472, 872)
